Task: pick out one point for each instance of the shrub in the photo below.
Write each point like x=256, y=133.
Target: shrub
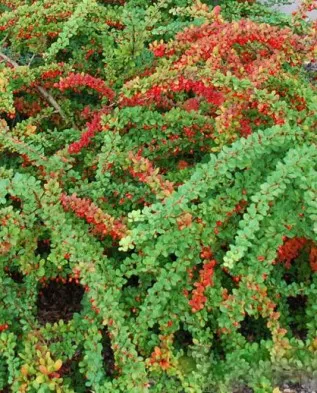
x=174, y=198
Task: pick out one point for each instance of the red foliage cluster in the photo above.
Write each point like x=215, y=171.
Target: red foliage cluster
x=30, y=108
x=92, y=127
x=240, y=50
x=75, y=80
x=103, y=223
x=210, y=93
x=221, y=55
x=161, y=355
x=155, y=94
x=58, y=16
x=290, y=250
x=75, y=277
x=116, y=24
x=205, y=280
x=4, y=327
x=158, y=357
x=161, y=50
x=313, y=259
x=50, y=74
x=143, y=170
x=9, y=24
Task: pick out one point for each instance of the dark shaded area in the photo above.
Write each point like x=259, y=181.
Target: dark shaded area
x=173, y=257
x=242, y=389
x=111, y=2
x=133, y=281
x=299, y=271
x=43, y=247
x=196, y=201
x=107, y=353
x=289, y=279
x=14, y=201
x=155, y=329
x=12, y=122
x=16, y=276
x=71, y=374
x=225, y=247
x=254, y=330
x=4, y=387
x=183, y=338
x=227, y=282
x=218, y=349
x=69, y=366
x=297, y=311
x=58, y=301
x=298, y=274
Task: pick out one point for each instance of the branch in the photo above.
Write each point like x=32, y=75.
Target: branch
x=4, y=39
x=44, y=93
x=8, y=60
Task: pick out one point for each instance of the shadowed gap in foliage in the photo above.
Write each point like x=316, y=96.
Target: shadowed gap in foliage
x=57, y=301
x=254, y=329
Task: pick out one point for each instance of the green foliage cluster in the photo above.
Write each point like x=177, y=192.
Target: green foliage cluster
x=158, y=166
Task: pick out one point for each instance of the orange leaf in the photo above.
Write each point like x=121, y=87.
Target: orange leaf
x=43, y=370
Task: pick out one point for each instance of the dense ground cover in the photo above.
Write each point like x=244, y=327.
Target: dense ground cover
x=158, y=196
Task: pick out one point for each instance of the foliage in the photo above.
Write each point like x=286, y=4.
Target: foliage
x=161, y=158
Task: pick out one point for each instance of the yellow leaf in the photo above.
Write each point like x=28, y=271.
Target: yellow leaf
x=276, y=390
x=40, y=379
x=58, y=364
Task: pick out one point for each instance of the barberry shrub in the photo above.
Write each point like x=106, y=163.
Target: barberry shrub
x=158, y=198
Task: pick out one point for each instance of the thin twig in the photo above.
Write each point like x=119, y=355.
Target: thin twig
x=32, y=58
x=4, y=39
x=51, y=100
x=44, y=93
